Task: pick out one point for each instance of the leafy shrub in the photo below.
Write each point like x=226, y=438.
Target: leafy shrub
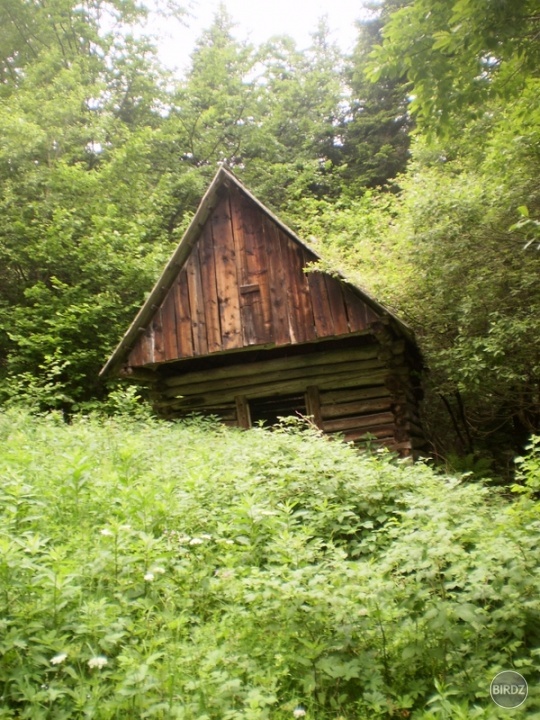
x=191, y=571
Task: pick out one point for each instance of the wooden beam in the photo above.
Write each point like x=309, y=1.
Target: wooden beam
x=242, y=412
x=380, y=432
x=361, y=407
x=282, y=387
x=141, y=375
x=313, y=404
x=247, y=368
x=363, y=421
x=355, y=367
x=353, y=394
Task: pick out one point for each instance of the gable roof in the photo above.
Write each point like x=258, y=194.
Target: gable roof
x=224, y=181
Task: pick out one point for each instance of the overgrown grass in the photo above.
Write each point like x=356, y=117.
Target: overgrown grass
x=190, y=571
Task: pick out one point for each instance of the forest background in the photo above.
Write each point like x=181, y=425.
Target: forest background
x=189, y=570
x=412, y=165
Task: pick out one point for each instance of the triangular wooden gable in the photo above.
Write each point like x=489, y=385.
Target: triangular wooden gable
x=236, y=280
x=242, y=285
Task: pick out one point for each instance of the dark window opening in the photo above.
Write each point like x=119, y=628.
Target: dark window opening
x=269, y=410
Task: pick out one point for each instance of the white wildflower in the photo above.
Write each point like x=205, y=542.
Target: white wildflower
x=196, y=541
x=159, y=570
x=57, y=659
x=183, y=539
x=205, y=536
x=149, y=577
x=98, y=662
x=299, y=712
x=107, y=532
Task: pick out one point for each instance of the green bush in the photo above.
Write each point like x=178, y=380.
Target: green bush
x=196, y=572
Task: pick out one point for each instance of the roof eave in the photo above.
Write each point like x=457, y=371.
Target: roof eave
x=165, y=280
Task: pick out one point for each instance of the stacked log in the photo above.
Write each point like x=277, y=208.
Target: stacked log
x=363, y=393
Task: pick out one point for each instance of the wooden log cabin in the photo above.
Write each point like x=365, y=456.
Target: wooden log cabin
x=235, y=327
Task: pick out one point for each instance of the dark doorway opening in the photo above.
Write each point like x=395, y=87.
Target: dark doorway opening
x=269, y=410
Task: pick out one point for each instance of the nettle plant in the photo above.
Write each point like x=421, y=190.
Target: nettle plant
x=192, y=571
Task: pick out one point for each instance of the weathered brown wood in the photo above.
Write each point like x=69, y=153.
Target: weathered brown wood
x=353, y=394
x=342, y=424
x=226, y=276
x=301, y=320
x=396, y=382
x=337, y=304
x=354, y=408
x=403, y=448
x=196, y=303
x=352, y=366
x=169, y=327
x=359, y=314
x=248, y=300
x=280, y=302
x=141, y=375
x=209, y=290
x=299, y=317
x=313, y=404
x=322, y=314
x=135, y=356
x=247, y=220
x=246, y=289
x=401, y=434
x=245, y=369
x=281, y=387
x=242, y=412
x=147, y=346
x=380, y=432
x=306, y=301
x=184, y=328
x=157, y=333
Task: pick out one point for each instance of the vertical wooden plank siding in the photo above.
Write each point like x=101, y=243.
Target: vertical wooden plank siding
x=301, y=313
x=291, y=288
x=169, y=326
x=359, y=314
x=226, y=276
x=147, y=346
x=322, y=314
x=243, y=416
x=247, y=292
x=135, y=355
x=243, y=284
x=336, y=302
x=157, y=334
x=196, y=302
x=252, y=272
x=184, y=330
x=313, y=404
x=279, y=302
x=306, y=302
x=209, y=290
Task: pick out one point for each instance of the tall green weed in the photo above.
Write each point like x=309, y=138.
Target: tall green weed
x=191, y=571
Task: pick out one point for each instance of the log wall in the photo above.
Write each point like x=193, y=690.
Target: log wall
x=351, y=392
